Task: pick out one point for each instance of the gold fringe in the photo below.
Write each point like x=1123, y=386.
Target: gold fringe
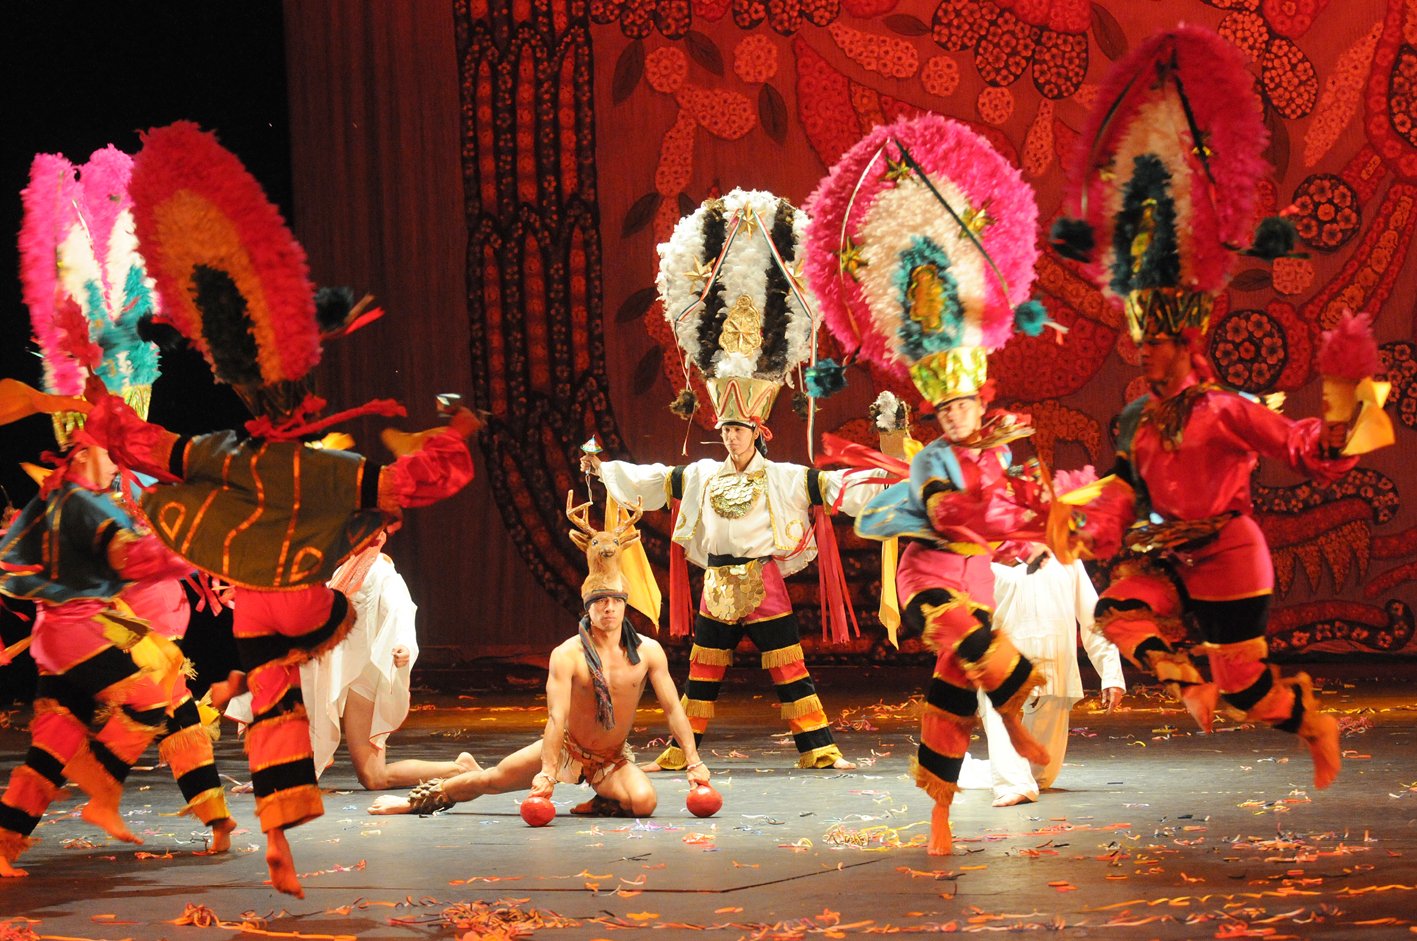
x=672, y=759
x=1014, y=704
x=823, y=757
x=929, y=637
x=941, y=791
x=698, y=708
x=12, y=844
x=711, y=656
x=806, y=706
x=208, y=806
x=783, y=656
x=92, y=778
x=303, y=654
x=290, y=807
x=47, y=706
x=186, y=749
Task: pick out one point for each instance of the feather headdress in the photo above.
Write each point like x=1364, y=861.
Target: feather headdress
x=728, y=284
x=1165, y=180
x=84, y=281
x=921, y=249
x=232, y=278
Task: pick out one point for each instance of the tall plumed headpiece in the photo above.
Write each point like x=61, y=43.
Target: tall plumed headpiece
x=85, y=282
x=921, y=251
x=1165, y=181
x=233, y=280
x=728, y=284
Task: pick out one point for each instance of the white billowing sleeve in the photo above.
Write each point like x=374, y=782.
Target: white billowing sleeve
x=389, y=609
x=1105, y=657
x=859, y=486
x=627, y=482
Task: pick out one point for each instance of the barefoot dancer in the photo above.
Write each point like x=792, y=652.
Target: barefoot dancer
x=263, y=512
x=72, y=551
x=361, y=686
x=594, y=686
x=923, y=241
x=1181, y=135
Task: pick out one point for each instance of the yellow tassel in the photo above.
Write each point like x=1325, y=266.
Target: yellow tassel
x=943, y=792
x=806, y=706
x=290, y=807
x=822, y=757
x=889, y=611
x=672, y=759
x=211, y=719
x=783, y=656
x=186, y=749
x=711, y=656
x=208, y=806
x=698, y=708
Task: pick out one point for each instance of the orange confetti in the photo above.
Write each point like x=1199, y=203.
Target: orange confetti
x=731, y=910
x=643, y=916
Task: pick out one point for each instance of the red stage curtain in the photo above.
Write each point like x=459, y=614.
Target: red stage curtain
x=559, y=142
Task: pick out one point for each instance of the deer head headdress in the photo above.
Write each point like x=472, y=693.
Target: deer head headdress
x=602, y=549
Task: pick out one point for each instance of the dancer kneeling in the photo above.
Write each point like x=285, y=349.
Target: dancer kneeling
x=595, y=683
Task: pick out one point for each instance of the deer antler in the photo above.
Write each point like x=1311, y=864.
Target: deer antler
x=634, y=517
x=580, y=516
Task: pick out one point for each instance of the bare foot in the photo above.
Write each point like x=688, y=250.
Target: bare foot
x=842, y=764
x=1322, y=739
x=390, y=804
x=466, y=762
x=942, y=841
x=1200, y=700
x=281, y=864
x=221, y=835
x=1010, y=800
x=244, y=787
x=650, y=767
x=107, y=817
x=11, y=871
x=1023, y=741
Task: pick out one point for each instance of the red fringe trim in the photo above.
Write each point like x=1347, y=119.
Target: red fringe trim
x=831, y=579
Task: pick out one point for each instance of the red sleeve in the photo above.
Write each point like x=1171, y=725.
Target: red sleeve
x=130, y=441
x=1295, y=442
x=439, y=469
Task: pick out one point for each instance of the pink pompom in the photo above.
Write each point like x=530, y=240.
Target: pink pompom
x=1349, y=351
x=1066, y=481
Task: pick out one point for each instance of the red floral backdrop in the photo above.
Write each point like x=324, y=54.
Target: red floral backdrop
x=589, y=128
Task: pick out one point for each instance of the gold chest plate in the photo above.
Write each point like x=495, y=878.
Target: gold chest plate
x=733, y=495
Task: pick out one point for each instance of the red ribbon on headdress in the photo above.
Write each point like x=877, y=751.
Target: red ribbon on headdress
x=303, y=422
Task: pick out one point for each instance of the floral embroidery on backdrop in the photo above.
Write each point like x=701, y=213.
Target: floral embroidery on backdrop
x=591, y=127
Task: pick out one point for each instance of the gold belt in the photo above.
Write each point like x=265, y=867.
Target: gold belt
x=1175, y=534
x=732, y=592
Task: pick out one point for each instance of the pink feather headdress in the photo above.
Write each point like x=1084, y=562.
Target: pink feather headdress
x=1165, y=180
x=921, y=250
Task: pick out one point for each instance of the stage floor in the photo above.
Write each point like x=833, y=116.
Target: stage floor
x=1154, y=832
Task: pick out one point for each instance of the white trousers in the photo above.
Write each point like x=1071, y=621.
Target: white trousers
x=1007, y=772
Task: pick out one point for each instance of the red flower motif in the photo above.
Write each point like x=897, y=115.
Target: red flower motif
x=1010, y=36
x=1326, y=212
